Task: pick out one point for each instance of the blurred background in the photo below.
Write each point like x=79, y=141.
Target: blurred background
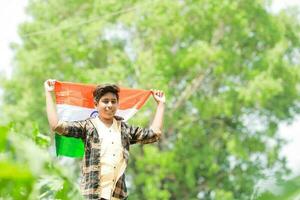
x=230, y=70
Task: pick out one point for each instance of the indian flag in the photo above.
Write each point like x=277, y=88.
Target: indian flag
x=75, y=102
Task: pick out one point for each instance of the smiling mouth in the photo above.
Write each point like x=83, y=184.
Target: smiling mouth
x=109, y=111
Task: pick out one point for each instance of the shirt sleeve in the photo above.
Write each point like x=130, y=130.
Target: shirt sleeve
x=143, y=135
x=76, y=129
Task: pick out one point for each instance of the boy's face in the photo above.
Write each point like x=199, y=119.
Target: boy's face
x=107, y=105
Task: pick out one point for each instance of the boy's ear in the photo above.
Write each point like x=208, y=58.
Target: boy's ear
x=96, y=103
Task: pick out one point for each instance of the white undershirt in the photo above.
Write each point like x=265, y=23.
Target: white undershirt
x=112, y=162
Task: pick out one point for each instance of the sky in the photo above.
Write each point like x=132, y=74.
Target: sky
x=12, y=13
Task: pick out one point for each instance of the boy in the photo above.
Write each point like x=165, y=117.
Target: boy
x=106, y=140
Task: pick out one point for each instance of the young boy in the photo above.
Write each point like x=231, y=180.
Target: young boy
x=106, y=140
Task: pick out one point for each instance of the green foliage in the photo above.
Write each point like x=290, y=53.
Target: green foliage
x=29, y=172
x=230, y=70
x=285, y=189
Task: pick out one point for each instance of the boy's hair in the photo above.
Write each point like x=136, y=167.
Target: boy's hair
x=101, y=90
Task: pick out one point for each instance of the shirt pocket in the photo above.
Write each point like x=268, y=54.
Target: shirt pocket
x=97, y=146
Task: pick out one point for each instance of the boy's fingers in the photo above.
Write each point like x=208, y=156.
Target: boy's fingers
x=158, y=93
x=52, y=81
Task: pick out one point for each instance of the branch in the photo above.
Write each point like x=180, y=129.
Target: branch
x=189, y=90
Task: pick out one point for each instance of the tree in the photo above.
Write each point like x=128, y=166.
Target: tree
x=288, y=189
x=229, y=69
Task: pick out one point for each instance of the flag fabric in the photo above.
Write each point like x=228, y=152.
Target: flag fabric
x=74, y=101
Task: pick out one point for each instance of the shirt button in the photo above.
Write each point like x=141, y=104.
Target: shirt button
x=114, y=154
x=114, y=167
x=112, y=142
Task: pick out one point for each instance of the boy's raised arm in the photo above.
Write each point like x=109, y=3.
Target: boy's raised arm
x=50, y=104
x=160, y=98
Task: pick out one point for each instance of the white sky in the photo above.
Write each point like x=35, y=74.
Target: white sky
x=12, y=13
x=279, y=4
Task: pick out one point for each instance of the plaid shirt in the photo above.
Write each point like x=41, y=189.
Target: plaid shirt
x=85, y=129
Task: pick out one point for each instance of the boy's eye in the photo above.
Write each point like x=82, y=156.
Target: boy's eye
x=107, y=101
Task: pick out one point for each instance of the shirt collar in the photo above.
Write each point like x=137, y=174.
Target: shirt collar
x=114, y=125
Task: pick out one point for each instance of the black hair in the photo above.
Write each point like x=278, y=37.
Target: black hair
x=103, y=89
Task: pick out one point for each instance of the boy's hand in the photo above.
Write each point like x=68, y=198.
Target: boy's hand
x=158, y=96
x=49, y=85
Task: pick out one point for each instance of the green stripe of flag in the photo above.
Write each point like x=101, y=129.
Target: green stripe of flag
x=68, y=146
